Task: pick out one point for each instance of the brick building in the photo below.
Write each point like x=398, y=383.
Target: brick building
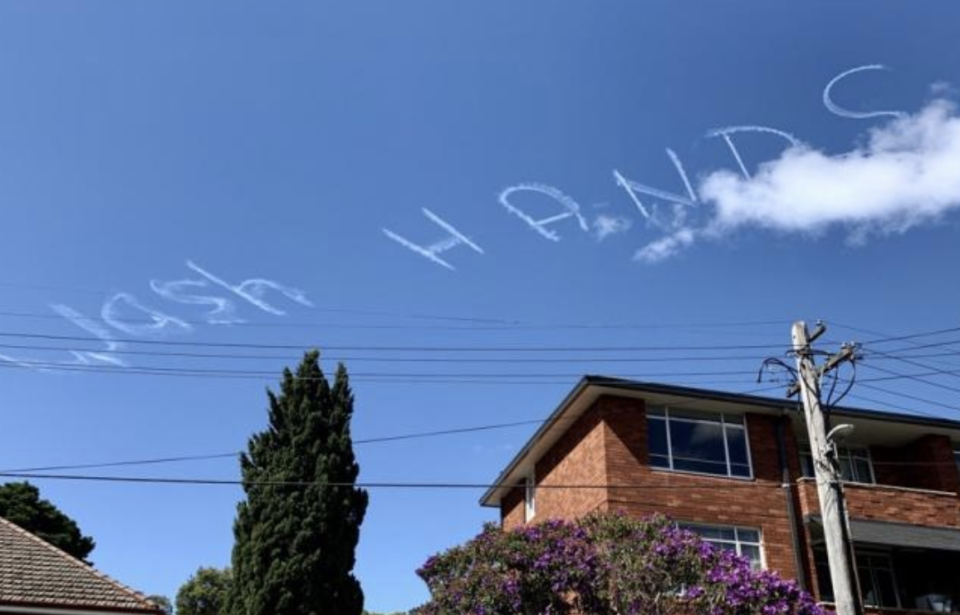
x=736, y=468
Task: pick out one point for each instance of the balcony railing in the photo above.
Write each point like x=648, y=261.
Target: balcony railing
x=889, y=503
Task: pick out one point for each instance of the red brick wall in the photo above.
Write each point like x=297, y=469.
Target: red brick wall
x=564, y=474
x=511, y=508
x=886, y=503
x=760, y=503
x=608, y=446
x=925, y=463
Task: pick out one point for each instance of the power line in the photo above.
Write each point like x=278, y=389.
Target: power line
x=158, y=370
x=491, y=324
x=81, y=338
x=235, y=454
x=908, y=396
x=372, y=484
x=894, y=406
x=911, y=336
x=913, y=378
x=484, y=359
x=409, y=436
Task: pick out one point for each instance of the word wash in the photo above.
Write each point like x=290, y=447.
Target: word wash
x=125, y=313
x=678, y=203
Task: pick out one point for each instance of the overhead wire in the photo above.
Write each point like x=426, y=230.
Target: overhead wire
x=490, y=323
x=382, y=439
x=160, y=370
x=397, y=348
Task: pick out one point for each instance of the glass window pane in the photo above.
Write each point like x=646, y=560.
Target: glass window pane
x=869, y=592
x=806, y=464
x=846, y=469
x=748, y=536
x=740, y=470
x=657, y=436
x=752, y=553
x=695, y=415
x=885, y=590
x=737, y=444
x=823, y=576
x=733, y=419
x=713, y=533
x=861, y=471
x=698, y=447
x=660, y=461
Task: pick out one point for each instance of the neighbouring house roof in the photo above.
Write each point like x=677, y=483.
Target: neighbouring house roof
x=879, y=426
x=36, y=576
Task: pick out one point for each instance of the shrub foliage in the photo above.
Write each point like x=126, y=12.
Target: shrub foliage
x=605, y=564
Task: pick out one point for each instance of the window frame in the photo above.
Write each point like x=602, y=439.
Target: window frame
x=666, y=418
x=737, y=541
x=529, y=497
x=843, y=452
x=864, y=559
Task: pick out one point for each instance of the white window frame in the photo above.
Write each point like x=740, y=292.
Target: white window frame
x=848, y=452
x=529, y=497
x=736, y=542
x=666, y=418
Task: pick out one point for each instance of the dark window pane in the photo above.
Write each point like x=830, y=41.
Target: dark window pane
x=657, y=436
x=749, y=535
x=698, y=415
x=846, y=469
x=740, y=470
x=737, y=444
x=885, y=589
x=870, y=597
x=861, y=471
x=660, y=461
x=698, y=447
x=696, y=465
x=733, y=419
x=823, y=576
x=806, y=465
x=655, y=412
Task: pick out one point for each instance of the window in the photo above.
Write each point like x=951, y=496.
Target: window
x=855, y=464
x=529, y=497
x=741, y=540
x=875, y=573
x=691, y=441
x=956, y=455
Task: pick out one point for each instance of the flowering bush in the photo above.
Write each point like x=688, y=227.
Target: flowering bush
x=605, y=564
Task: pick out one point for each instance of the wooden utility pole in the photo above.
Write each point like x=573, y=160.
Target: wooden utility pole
x=846, y=593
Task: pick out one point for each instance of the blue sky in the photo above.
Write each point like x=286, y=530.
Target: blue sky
x=277, y=141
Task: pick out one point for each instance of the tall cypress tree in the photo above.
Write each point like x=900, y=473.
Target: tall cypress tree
x=296, y=533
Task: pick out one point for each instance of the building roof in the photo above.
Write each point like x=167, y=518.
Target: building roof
x=889, y=427
x=35, y=574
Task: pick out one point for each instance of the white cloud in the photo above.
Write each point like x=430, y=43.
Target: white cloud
x=906, y=173
x=605, y=226
x=665, y=247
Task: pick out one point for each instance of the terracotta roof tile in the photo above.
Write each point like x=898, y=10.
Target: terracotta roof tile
x=35, y=573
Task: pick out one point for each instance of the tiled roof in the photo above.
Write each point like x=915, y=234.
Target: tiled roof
x=35, y=573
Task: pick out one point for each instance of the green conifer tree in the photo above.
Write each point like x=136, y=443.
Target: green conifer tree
x=296, y=533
